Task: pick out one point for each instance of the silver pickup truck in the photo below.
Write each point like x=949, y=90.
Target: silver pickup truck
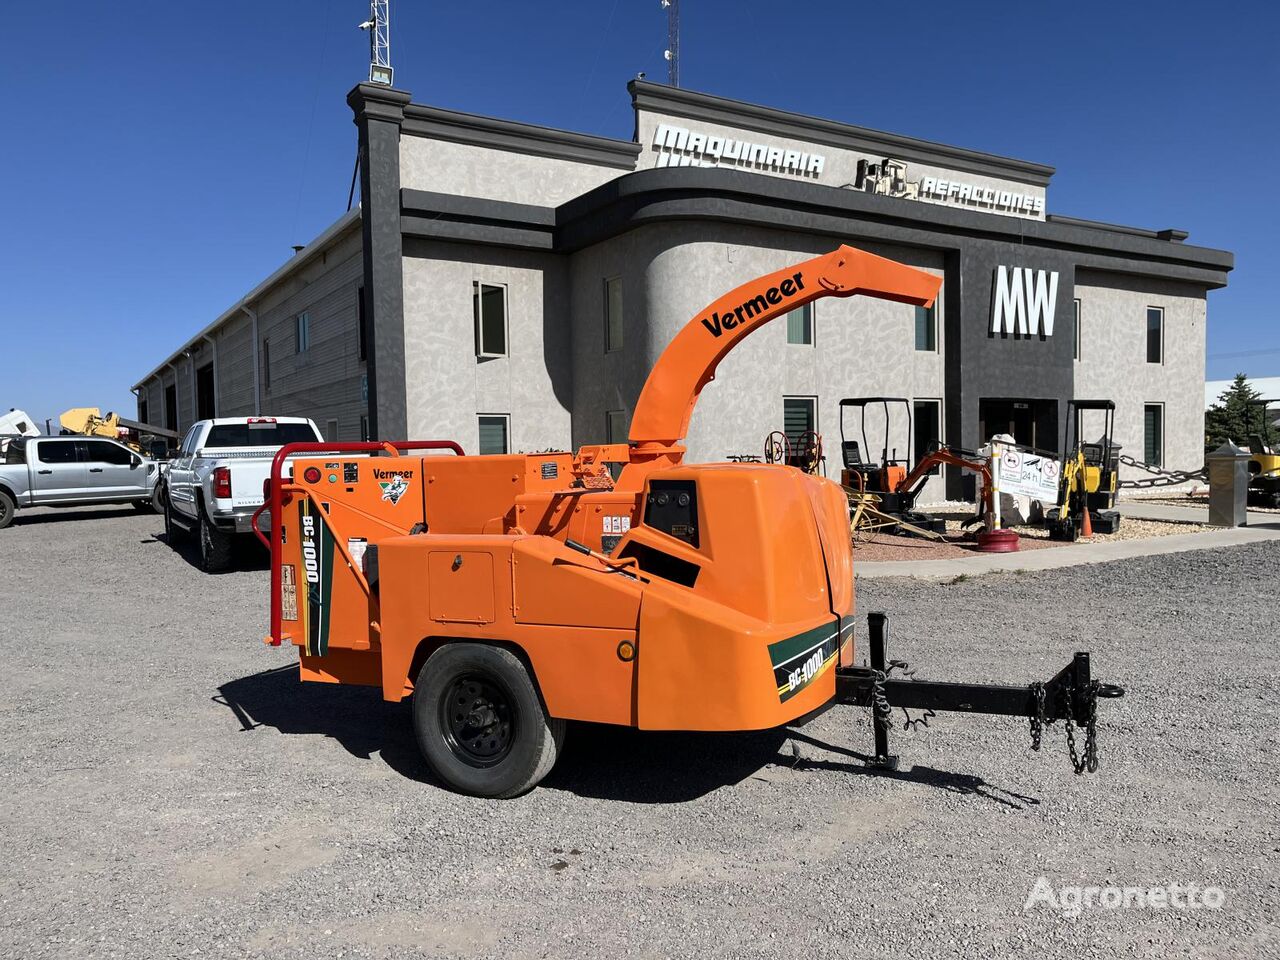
x=72, y=471
x=214, y=482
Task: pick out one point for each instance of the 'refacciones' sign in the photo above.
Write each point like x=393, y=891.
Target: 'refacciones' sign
x=683, y=147
x=1025, y=474
x=888, y=178
x=1024, y=301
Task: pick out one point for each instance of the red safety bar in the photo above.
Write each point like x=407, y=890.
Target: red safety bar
x=276, y=500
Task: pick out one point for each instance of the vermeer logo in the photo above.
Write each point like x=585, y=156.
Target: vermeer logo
x=394, y=483
x=755, y=307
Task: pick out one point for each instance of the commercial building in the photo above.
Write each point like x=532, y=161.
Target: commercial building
x=510, y=286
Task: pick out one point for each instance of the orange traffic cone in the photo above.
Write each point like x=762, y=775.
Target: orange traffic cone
x=1086, y=526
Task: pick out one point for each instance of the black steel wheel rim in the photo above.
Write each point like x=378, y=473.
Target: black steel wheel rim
x=478, y=717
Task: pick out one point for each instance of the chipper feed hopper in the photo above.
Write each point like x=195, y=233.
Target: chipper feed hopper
x=508, y=595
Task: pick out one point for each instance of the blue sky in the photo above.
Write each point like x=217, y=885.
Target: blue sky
x=159, y=161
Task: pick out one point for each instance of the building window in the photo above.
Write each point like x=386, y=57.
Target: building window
x=495, y=432
x=1076, y=331
x=362, y=334
x=364, y=428
x=302, y=333
x=927, y=328
x=926, y=416
x=489, y=303
x=615, y=426
x=331, y=431
x=144, y=413
x=800, y=325
x=799, y=416
x=1155, y=335
x=1153, y=434
x=171, y=407
x=612, y=314
x=266, y=366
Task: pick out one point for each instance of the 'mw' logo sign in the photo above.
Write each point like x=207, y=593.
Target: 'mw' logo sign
x=1024, y=301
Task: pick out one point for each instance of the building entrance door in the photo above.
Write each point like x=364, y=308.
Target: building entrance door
x=1033, y=423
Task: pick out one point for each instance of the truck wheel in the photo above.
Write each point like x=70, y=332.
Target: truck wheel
x=480, y=722
x=156, y=504
x=174, y=533
x=7, y=509
x=215, y=547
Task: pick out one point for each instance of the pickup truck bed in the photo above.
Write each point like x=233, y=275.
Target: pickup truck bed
x=215, y=480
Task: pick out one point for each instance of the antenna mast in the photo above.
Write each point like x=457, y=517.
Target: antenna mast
x=379, y=27
x=673, y=41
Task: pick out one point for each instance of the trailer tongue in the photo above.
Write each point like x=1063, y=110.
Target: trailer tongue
x=510, y=594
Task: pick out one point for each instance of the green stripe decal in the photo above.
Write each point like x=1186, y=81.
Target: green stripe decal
x=798, y=661
x=317, y=565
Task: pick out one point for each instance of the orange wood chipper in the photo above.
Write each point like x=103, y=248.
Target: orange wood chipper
x=509, y=594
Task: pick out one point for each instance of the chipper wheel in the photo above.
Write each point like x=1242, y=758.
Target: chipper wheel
x=480, y=722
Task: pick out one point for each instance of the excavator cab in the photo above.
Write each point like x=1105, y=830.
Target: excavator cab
x=1090, y=474
x=883, y=476
x=892, y=479
x=1264, y=462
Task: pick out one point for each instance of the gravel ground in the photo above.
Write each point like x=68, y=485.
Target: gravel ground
x=174, y=791
x=881, y=545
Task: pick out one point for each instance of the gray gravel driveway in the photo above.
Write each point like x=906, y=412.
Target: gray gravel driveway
x=171, y=790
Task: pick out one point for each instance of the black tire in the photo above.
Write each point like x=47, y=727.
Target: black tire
x=215, y=547
x=174, y=532
x=7, y=509
x=504, y=743
x=155, y=505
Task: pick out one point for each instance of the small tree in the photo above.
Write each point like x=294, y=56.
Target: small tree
x=1235, y=418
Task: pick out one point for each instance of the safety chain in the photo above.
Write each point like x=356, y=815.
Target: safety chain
x=1162, y=478
x=1037, y=718
x=1089, y=760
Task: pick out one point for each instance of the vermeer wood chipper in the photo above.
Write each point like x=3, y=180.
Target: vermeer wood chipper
x=510, y=594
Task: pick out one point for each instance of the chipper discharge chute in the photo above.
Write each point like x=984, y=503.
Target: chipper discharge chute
x=510, y=594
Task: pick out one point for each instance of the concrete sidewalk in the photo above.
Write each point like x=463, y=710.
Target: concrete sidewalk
x=1100, y=551
x=1192, y=513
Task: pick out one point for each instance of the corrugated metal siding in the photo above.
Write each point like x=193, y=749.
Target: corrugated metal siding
x=324, y=382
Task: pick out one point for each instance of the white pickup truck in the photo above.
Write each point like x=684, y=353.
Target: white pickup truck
x=72, y=471
x=214, y=482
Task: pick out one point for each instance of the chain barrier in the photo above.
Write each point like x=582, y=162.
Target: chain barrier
x=1161, y=478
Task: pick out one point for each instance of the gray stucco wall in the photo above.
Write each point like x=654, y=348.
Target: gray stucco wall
x=447, y=386
x=671, y=271
x=472, y=171
x=1113, y=361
